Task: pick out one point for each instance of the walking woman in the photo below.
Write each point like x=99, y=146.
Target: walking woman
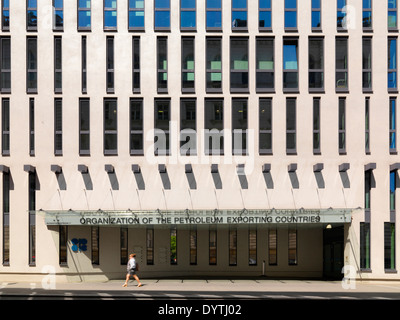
x=131, y=268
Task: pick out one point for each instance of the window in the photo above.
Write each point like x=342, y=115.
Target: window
x=188, y=14
x=162, y=18
x=136, y=14
x=392, y=125
x=58, y=23
x=272, y=247
x=110, y=64
x=341, y=15
x=392, y=64
x=5, y=126
x=232, y=246
x=214, y=15
x=188, y=75
x=162, y=117
x=95, y=244
x=341, y=64
x=84, y=126
x=32, y=217
x=239, y=126
x=57, y=64
x=188, y=137
x=264, y=15
x=292, y=239
x=316, y=15
x=150, y=245
x=252, y=247
x=367, y=64
x=162, y=65
x=392, y=15
x=63, y=245
x=390, y=246
x=110, y=14
x=365, y=245
x=110, y=127
x=239, y=65
x=214, y=64
x=214, y=127
x=316, y=64
x=136, y=65
x=393, y=185
x=239, y=14
x=136, y=127
x=5, y=15
x=265, y=79
x=367, y=15
x=173, y=246
x=212, y=245
x=193, y=244
x=31, y=15
x=290, y=65
x=84, y=15
x=367, y=189
x=84, y=65
x=367, y=125
x=342, y=125
x=5, y=67
x=290, y=15
x=265, y=125
x=124, y=245
x=6, y=218
x=31, y=68
x=316, y=125
x=31, y=126
x=58, y=127
x=291, y=126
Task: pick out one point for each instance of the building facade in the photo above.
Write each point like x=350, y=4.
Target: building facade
x=211, y=138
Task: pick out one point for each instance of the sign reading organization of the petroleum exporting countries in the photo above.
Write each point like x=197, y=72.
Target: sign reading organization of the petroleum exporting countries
x=159, y=217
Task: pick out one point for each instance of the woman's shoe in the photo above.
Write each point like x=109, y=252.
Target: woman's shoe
x=139, y=285
x=124, y=285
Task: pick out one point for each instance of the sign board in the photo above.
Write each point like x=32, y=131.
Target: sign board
x=168, y=217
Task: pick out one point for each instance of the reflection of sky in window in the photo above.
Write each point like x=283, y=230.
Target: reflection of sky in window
x=290, y=19
x=136, y=19
x=161, y=4
x=392, y=54
x=84, y=18
x=162, y=19
x=316, y=4
x=265, y=19
x=265, y=4
x=32, y=3
x=188, y=19
x=290, y=56
x=188, y=4
x=138, y=4
x=341, y=3
x=239, y=4
x=110, y=18
x=290, y=4
x=213, y=19
x=213, y=4
x=316, y=19
x=392, y=4
x=392, y=181
x=84, y=3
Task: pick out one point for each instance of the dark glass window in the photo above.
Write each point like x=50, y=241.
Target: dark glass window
x=291, y=126
x=342, y=125
x=239, y=65
x=162, y=118
x=31, y=77
x=290, y=64
x=136, y=64
x=367, y=64
x=5, y=64
x=84, y=126
x=316, y=125
x=365, y=245
x=214, y=126
x=341, y=64
x=188, y=137
x=316, y=63
x=214, y=64
x=5, y=15
x=57, y=64
x=392, y=125
x=265, y=75
x=5, y=127
x=162, y=64
x=265, y=125
x=58, y=127
x=390, y=245
x=239, y=126
x=110, y=64
x=188, y=75
x=110, y=127
x=136, y=126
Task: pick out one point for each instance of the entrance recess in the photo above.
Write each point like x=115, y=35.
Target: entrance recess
x=333, y=252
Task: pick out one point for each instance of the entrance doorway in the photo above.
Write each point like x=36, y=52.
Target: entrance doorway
x=333, y=252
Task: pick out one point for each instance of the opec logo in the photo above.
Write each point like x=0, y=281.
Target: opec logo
x=79, y=245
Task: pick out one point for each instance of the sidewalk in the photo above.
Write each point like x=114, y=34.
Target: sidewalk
x=212, y=285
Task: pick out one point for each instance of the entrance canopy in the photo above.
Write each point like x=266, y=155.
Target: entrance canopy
x=166, y=217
